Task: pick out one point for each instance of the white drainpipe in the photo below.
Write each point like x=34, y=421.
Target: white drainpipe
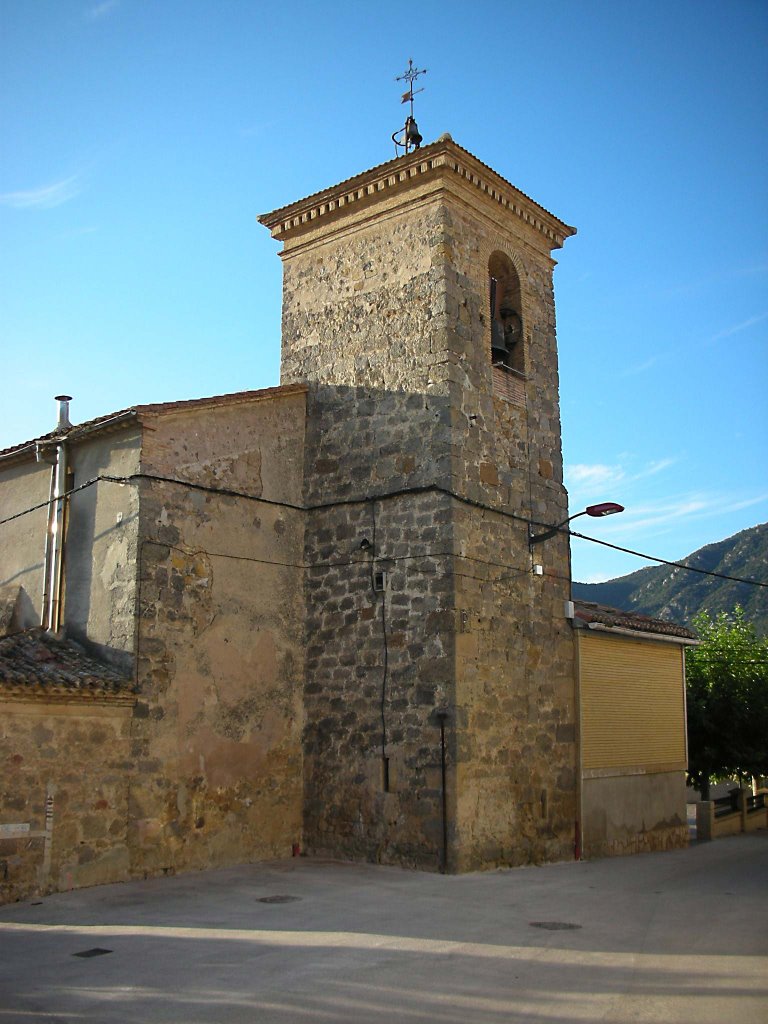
x=54, y=541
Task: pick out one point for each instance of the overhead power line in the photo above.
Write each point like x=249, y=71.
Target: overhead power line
x=401, y=492
x=664, y=561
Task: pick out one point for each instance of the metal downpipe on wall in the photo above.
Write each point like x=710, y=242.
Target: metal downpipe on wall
x=54, y=541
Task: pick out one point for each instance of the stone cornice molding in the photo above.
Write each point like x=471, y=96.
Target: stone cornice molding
x=442, y=159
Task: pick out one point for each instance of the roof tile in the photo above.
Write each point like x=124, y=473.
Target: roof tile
x=588, y=611
x=34, y=663
x=152, y=409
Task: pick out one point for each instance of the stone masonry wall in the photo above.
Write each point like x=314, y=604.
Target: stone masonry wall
x=379, y=662
x=79, y=757
x=367, y=309
x=216, y=737
x=366, y=319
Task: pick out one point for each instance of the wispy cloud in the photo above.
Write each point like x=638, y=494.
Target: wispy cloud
x=655, y=517
x=651, y=517
x=595, y=577
x=631, y=371
x=654, y=467
x=737, y=328
x=586, y=477
x=46, y=197
x=102, y=9
x=715, y=278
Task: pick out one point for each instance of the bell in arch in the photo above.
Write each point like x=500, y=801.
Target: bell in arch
x=499, y=349
x=512, y=325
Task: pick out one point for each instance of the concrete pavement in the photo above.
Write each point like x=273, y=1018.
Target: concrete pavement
x=679, y=938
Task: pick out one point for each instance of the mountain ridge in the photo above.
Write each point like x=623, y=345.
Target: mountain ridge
x=669, y=592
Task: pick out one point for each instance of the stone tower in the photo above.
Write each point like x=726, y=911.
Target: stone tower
x=439, y=681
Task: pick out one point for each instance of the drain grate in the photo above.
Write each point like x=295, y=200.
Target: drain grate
x=279, y=899
x=554, y=926
x=96, y=951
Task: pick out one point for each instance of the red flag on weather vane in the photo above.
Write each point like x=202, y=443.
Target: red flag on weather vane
x=406, y=96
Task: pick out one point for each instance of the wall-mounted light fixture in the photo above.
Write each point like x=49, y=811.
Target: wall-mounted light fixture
x=605, y=508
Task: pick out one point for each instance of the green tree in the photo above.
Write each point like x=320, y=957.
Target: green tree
x=727, y=688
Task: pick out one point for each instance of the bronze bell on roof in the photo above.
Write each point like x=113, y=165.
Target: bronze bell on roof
x=412, y=135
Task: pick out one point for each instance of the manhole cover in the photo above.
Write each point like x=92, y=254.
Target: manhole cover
x=279, y=899
x=554, y=926
x=93, y=952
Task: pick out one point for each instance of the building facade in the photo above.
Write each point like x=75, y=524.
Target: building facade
x=323, y=595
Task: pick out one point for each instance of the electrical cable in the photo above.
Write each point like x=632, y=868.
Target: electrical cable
x=50, y=501
x=401, y=492
x=664, y=561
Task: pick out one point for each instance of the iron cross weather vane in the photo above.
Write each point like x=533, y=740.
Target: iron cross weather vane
x=408, y=137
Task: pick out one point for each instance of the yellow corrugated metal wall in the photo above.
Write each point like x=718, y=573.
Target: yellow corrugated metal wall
x=632, y=703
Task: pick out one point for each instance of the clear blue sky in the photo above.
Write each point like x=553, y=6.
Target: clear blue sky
x=140, y=141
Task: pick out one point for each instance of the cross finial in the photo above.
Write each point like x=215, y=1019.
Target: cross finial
x=410, y=75
x=411, y=139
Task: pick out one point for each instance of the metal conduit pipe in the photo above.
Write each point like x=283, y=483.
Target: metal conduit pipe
x=43, y=456
x=54, y=540
x=57, y=536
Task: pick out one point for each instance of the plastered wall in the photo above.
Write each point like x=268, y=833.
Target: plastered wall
x=216, y=738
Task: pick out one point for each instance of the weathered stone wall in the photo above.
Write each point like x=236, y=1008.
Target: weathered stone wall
x=515, y=688
x=379, y=662
x=366, y=319
x=515, y=703
x=78, y=755
x=216, y=739
x=628, y=813
x=367, y=308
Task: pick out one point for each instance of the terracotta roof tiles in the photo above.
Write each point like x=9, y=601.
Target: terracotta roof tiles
x=35, y=664
x=588, y=611
x=415, y=155
x=114, y=419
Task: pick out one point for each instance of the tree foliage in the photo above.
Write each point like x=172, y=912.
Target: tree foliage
x=727, y=688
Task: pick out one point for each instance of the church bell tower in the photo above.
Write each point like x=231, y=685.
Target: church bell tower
x=440, y=680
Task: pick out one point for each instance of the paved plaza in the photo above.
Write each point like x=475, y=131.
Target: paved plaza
x=673, y=937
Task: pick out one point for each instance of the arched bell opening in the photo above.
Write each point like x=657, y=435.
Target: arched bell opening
x=506, y=314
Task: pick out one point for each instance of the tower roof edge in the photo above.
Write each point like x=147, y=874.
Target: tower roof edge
x=443, y=157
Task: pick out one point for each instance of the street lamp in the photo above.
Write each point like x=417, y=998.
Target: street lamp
x=604, y=508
